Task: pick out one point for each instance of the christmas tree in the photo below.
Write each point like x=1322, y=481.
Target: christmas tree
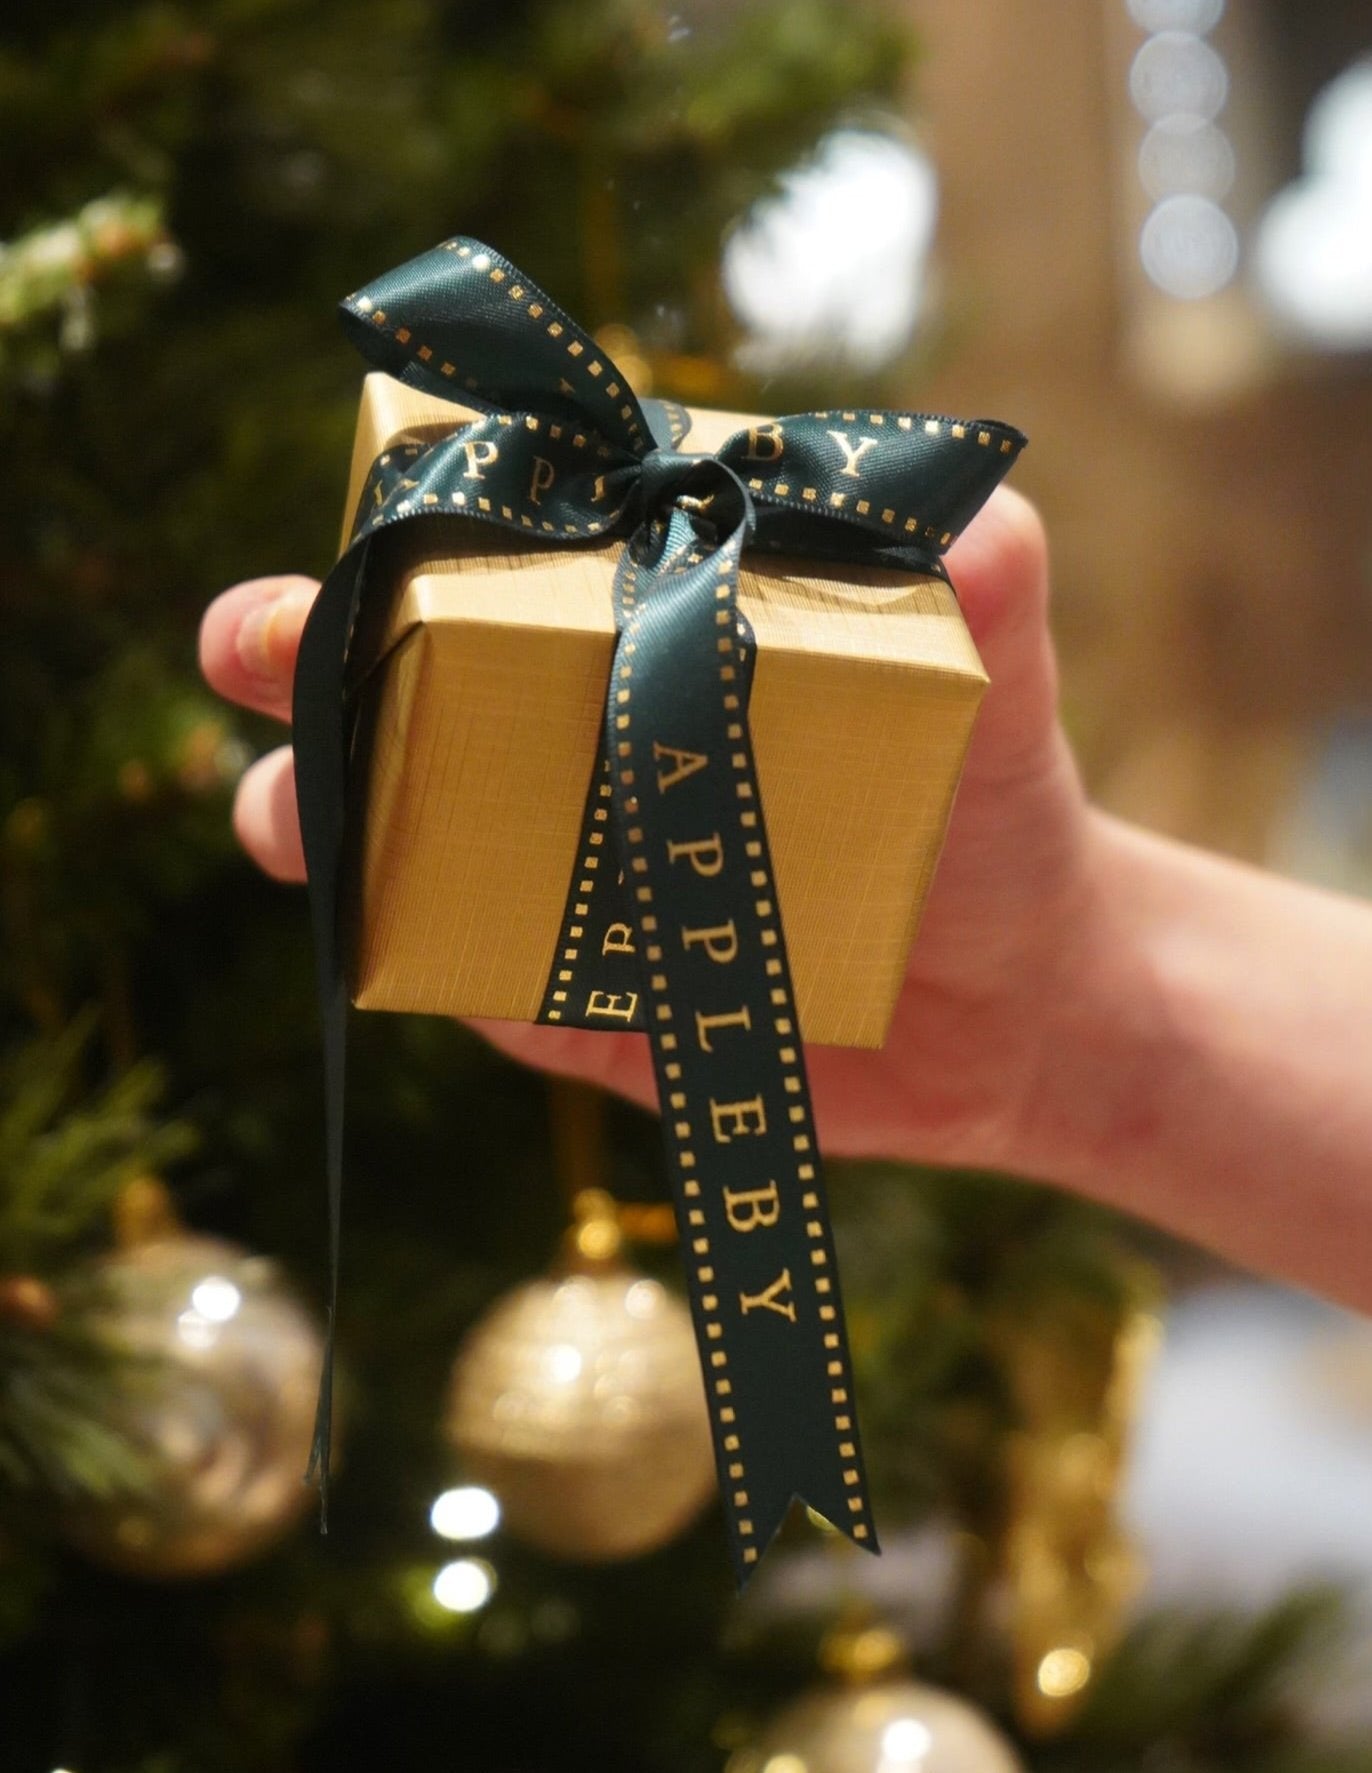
x=191, y=191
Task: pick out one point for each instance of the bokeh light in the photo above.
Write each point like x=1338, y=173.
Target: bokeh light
x=468, y=1512
x=906, y=1741
x=1199, y=16
x=216, y=1298
x=1177, y=74
x=1189, y=247
x=1186, y=156
x=833, y=268
x=1314, y=245
x=464, y=1586
x=1063, y=1672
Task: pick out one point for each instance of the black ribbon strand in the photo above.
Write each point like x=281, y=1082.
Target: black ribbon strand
x=672, y=921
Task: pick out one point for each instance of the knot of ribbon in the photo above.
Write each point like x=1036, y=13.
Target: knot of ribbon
x=680, y=932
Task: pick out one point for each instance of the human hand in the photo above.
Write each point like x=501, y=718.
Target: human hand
x=969, y=1039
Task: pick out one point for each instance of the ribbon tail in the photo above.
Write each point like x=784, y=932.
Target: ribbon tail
x=771, y=1507
x=321, y=758
x=727, y=1047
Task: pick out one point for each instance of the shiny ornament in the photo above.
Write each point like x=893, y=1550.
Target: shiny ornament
x=215, y=1389
x=578, y=1401
x=1073, y=1572
x=897, y=1726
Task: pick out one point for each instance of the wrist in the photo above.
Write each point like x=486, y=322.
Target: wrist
x=1109, y=1032
x=1204, y=1066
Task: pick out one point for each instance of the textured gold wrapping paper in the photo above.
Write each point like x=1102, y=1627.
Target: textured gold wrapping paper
x=483, y=681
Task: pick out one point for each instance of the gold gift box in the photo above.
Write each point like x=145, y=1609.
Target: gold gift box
x=483, y=679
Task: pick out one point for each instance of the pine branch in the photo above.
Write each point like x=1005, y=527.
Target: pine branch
x=1215, y=1691
x=58, y=1435
x=64, y=1164
x=48, y=275
x=63, y=1383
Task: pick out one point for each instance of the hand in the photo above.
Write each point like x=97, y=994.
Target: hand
x=960, y=1070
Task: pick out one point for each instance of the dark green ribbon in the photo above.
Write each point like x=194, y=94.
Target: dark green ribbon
x=674, y=856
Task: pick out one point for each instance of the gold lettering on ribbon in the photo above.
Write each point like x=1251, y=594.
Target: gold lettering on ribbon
x=769, y=1299
x=763, y=1207
x=619, y=939
x=851, y=455
x=732, y=1019
x=479, y=455
x=736, y=1120
x=758, y=435
x=684, y=763
x=705, y=854
x=542, y=478
x=720, y=941
x=598, y=495
x=616, y=1006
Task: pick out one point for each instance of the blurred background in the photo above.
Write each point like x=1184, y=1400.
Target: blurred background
x=1123, y=1494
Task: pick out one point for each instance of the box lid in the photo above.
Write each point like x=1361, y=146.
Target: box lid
x=860, y=612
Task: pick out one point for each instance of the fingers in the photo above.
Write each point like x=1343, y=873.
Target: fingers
x=249, y=639
x=266, y=817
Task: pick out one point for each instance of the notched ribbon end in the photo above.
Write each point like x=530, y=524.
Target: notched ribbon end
x=748, y=1552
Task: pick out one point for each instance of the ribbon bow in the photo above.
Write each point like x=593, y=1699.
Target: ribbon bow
x=566, y=454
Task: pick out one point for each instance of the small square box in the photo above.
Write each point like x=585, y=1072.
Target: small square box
x=482, y=680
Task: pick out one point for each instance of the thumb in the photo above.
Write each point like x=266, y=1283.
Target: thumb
x=999, y=568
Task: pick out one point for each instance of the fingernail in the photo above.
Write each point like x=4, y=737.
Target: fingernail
x=270, y=634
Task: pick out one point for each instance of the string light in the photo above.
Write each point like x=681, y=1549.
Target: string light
x=469, y=1512
x=1188, y=245
x=1314, y=246
x=905, y=1741
x=464, y=1586
x=1176, y=15
x=1063, y=1672
x=216, y=1298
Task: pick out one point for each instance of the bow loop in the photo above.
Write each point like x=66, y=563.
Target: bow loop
x=909, y=482
x=523, y=470
x=463, y=323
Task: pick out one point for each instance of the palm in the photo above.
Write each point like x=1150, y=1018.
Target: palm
x=959, y=1052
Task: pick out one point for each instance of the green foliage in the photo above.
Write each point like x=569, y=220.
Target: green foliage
x=65, y=1153
x=948, y=1276
x=1210, y=1693
x=48, y=275
x=190, y=189
x=56, y=1443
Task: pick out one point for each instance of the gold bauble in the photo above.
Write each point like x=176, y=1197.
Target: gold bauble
x=895, y=1726
x=213, y=1390
x=578, y=1400
x=1073, y=1572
